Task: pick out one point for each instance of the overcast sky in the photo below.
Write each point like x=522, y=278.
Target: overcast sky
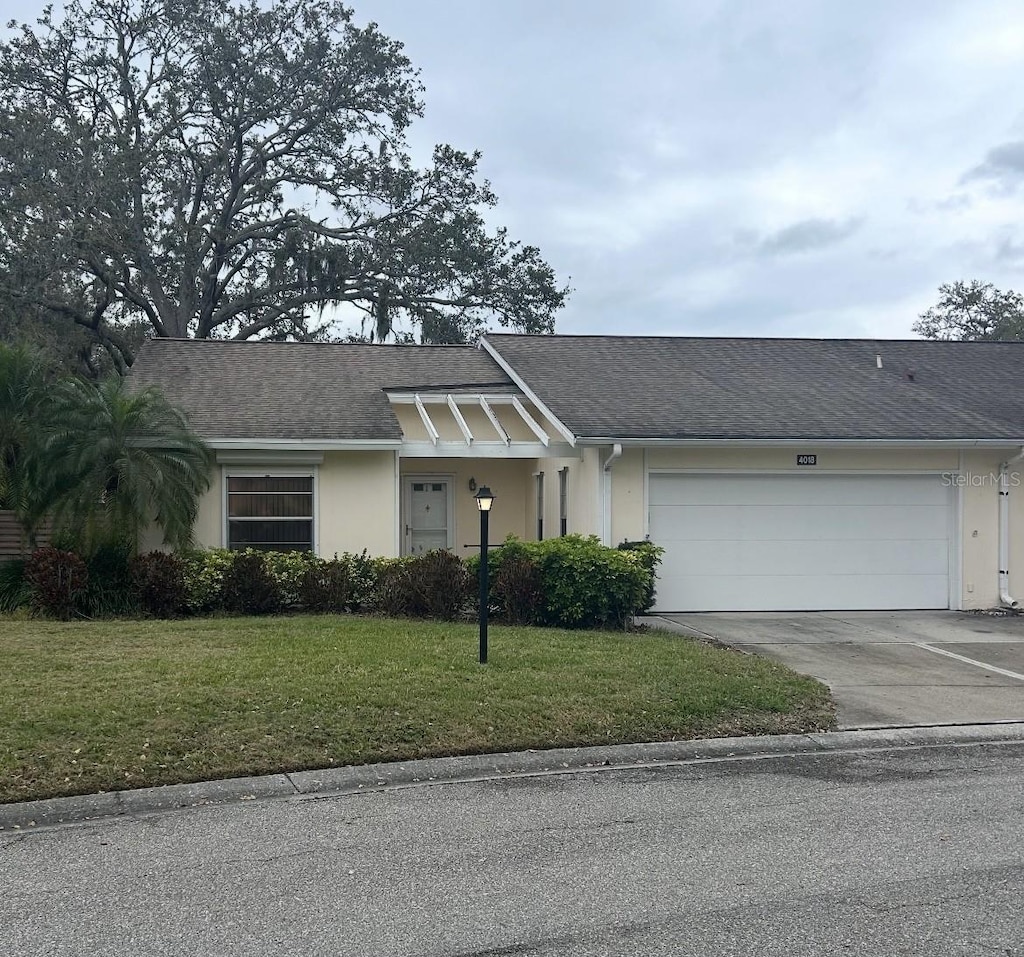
x=720, y=168
x=735, y=168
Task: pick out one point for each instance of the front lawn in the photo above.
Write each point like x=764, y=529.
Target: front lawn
x=91, y=706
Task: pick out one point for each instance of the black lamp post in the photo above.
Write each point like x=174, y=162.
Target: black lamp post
x=484, y=500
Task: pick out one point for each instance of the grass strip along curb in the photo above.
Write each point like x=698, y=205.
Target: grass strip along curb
x=377, y=777
x=89, y=707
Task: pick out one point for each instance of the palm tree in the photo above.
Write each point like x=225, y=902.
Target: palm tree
x=122, y=460
x=26, y=409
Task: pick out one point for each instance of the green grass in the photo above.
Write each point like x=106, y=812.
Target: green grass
x=91, y=706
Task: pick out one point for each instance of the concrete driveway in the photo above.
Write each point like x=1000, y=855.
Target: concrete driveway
x=887, y=668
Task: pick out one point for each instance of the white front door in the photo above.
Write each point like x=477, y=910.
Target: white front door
x=428, y=520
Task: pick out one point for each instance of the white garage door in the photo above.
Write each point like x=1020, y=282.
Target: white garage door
x=801, y=542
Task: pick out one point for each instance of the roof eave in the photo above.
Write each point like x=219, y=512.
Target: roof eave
x=785, y=442
x=305, y=445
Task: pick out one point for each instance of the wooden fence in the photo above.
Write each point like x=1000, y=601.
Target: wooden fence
x=13, y=543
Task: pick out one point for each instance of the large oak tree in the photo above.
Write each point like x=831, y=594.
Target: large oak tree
x=232, y=169
x=973, y=310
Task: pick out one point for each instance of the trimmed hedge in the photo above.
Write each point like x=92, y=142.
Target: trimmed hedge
x=568, y=582
x=572, y=582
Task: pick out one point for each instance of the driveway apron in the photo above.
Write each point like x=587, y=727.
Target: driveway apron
x=887, y=668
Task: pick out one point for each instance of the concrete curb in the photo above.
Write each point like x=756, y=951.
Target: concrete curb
x=31, y=815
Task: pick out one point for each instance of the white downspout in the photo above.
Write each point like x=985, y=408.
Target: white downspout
x=1004, y=531
x=606, y=497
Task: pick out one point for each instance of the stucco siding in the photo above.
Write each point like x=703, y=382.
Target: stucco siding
x=353, y=502
x=979, y=493
x=207, y=530
x=581, y=493
x=585, y=506
x=627, y=478
x=357, y=503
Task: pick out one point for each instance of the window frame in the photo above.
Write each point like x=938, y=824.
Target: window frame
x=311, y=472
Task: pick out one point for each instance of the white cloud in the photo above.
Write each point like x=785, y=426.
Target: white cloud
x=649, y=151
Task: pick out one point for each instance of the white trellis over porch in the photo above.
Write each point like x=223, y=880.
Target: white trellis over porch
x=477, y=425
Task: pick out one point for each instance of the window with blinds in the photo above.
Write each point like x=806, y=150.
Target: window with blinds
x=270, y=512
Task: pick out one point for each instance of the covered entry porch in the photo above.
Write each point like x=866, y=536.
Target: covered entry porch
x=454, y=443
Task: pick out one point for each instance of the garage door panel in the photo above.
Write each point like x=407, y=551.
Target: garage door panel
x=928, y=557
x=801, y=489
x=808, y=523
x=831, y=593
x=790, y=542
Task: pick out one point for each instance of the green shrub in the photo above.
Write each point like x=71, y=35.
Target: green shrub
x=649, y=555
x=15, y=592
x=326, y=585
x=110, y=591
x=584, y=584
x=589, y=585
x=287, y=568
x=249, y=587
x=58, y=581
x=159, y=581
x=393, y=594
x=204, y=571
x=516, y=590
x=363, y=574
x=439, y=585
x=569, y=582
x=207, y=570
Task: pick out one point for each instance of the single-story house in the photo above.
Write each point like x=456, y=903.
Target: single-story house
x=778, y=474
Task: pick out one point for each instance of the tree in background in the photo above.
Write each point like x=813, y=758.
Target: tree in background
x=66, y=345
x=973, y=310
x=233, y=170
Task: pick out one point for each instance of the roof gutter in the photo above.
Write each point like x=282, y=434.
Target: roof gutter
x=1004, y=530
x=796, y=442
x=615, y=453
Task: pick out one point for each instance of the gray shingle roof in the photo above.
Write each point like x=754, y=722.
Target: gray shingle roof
x=631, y=387
x=300, y=390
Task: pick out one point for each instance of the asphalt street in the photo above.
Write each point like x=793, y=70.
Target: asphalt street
x=916, y=851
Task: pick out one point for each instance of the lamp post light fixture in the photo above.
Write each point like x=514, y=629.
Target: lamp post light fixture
x=484, y=500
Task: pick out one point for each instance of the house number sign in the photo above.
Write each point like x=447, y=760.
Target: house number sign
x=807, y=460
